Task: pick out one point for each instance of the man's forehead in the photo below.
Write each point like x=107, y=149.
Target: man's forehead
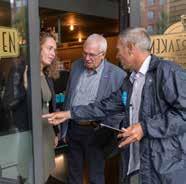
x=121, y=42
x=91, y=46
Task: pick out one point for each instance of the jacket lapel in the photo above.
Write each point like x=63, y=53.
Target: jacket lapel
x=103, y=81
x=74, y=82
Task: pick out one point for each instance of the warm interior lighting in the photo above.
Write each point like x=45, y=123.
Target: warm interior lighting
x=80, y=36
x=71, y=27
x=59, y=159
x=79, y=39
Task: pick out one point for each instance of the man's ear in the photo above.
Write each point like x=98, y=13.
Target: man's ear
x=103, y=55
x=130, y=47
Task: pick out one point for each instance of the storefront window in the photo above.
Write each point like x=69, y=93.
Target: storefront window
x=162, y=2
x=150, y=15
x=150, y=2
x=162, y=14
x=16, y=163
x=150, y=29
x=165, y=20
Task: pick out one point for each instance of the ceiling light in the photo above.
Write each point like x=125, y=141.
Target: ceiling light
x=79, y=39
x=71, y=27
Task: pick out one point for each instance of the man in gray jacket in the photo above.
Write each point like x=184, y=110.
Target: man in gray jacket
x=92, y=78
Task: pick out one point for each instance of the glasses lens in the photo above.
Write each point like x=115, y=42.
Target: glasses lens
x=91, y=55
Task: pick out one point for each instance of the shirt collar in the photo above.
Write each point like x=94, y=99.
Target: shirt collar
x=100, y=67
x=143, y=69
x=145, y=66
x=97, y=70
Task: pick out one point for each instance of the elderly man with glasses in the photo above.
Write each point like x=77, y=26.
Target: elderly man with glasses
x=92, y=78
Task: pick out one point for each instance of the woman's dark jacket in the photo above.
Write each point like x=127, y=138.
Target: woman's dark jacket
x=163, y=119
x=16, y=102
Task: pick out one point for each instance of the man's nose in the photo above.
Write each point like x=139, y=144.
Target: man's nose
x=53, y=53
x=87, y=56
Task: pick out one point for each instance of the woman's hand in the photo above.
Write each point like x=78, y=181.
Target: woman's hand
x=56, y=118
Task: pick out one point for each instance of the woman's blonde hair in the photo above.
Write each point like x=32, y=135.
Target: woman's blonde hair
x=50, y=70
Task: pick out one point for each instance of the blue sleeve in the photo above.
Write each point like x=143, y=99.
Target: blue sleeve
x=99, y=110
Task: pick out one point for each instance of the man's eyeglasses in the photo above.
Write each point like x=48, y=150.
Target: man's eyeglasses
x=91, y=55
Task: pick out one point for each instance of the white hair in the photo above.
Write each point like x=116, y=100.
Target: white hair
x=137, y=36
x=99, y=39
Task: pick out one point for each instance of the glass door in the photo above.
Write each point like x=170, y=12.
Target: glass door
x=165, y=20
x=16, y=155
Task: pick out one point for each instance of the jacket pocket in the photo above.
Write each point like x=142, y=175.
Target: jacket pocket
x=182, y=142
x=166, y=155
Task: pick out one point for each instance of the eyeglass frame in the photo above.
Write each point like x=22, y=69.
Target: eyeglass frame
x=91, y=55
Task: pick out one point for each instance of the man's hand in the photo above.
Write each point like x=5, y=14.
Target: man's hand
x=56, y=118
x=131, y=134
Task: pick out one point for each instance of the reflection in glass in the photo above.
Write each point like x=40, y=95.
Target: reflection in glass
x=162, y=2
x=15, y=129
x=150, y=29
x=160, y=14
x=150, y=2
x=150, y=15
